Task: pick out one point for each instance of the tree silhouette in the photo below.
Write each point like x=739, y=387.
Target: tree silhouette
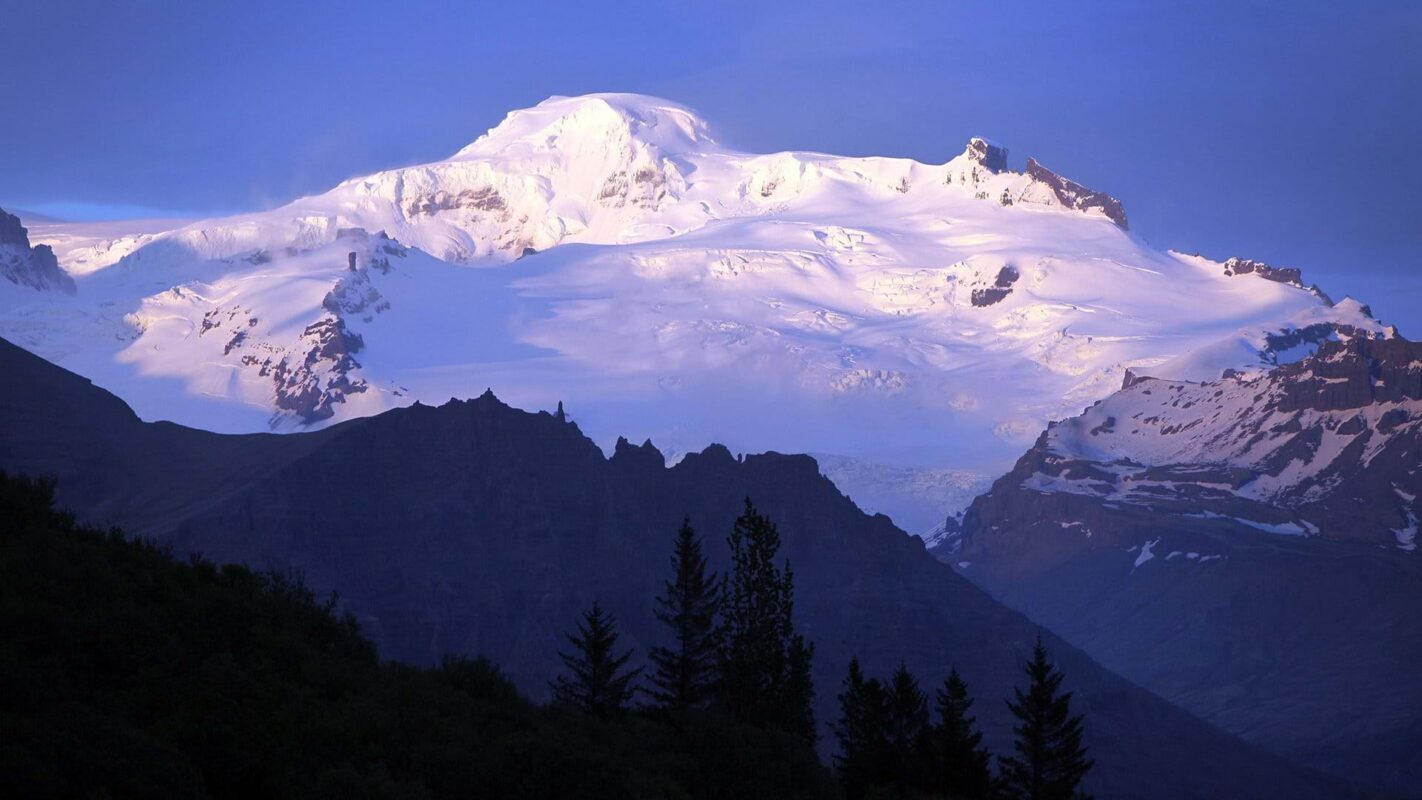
x=907, y=730
x=1050, y=760
x=686, y=672
x=862, y=732
x=799, y=696
x=764, y=663
x=958, y=765
x=597, y=681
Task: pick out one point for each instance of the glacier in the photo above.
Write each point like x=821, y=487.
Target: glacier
x=919, y=324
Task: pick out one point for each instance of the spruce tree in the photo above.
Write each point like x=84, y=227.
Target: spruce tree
x=862, y=731
x=1050, y=760
x=799, y=696
x=907, y=730
x=764, y=664
x=958, y=764
x=597, y=680
x=686, y=672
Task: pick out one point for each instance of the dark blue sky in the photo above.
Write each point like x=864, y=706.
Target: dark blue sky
x=1285, y=131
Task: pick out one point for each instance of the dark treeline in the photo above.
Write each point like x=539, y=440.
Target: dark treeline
x=125, y=673
x=734, y=649
x=733, y=646
x=892, y=746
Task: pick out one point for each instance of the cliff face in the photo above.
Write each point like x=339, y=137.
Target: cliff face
x=1244, y=547
x=1073, y=195
x=34, y=267
x=477, y=528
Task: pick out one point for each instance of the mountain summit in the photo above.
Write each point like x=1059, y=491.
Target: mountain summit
x=596, y=121
x=609, y=252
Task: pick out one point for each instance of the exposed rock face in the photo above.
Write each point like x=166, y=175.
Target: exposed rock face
x=312, y=377
x=1246, y=266
x=1073, y=195
x=645, y=187
x=991, y=156
x=982, y=169
x=1290, y=275
x=980, y=162
x=485, y=198
x=35, y=267
x=476, y=528
x=1271, y=516
x=1355, y=374
x=354, y=295
x=1295, y=447
x=311, y=387
x=1001, y=288
x=313, y=373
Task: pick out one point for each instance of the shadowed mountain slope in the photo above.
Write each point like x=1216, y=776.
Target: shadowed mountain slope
x=476, y=528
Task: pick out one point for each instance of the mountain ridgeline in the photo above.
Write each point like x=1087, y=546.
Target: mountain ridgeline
x=1244, y=547
x=476, y=529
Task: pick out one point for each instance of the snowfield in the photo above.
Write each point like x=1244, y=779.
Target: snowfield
x=608, y=252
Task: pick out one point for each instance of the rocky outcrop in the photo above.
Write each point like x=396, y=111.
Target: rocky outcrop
x=314, y=372
x=312, y=383
x=355, y=296
x=35, y=267
x=1288, y=275
x=992, y=157
x=982, y=169
x=485, y=198
x=644, y=186
x=1073, y=195
x=1355, y=374
x=979, y=162
x=476, y=528
x=1247, y=266
x=1000, y=289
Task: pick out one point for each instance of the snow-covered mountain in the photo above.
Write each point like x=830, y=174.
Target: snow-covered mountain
x=1329, y=447
x=1325, y=446
x=1244, y=547
x=609, y=252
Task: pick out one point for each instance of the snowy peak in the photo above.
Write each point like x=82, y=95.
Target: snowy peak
x=576, y=124
x=992, y=157
x=606, y=251
x=982, y=168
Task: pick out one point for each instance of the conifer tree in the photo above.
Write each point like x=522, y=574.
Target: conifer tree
x=688, y=605
x=800, y=690
x=1050, y=760
x=862, y=733
x=764, y=664
x=958, y=765
x=907, y=730
x=597, y=680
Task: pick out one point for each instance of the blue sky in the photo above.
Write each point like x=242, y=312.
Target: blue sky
x=1284, y=131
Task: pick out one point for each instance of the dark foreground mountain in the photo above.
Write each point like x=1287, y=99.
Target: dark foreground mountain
x=126, y=674
x=1243, y=547
x=478, y=529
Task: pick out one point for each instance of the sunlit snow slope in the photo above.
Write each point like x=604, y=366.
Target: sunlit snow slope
x=608, y=252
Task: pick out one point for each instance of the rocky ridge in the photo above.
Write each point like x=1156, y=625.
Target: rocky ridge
x=1246, y=547
x=35, y=266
